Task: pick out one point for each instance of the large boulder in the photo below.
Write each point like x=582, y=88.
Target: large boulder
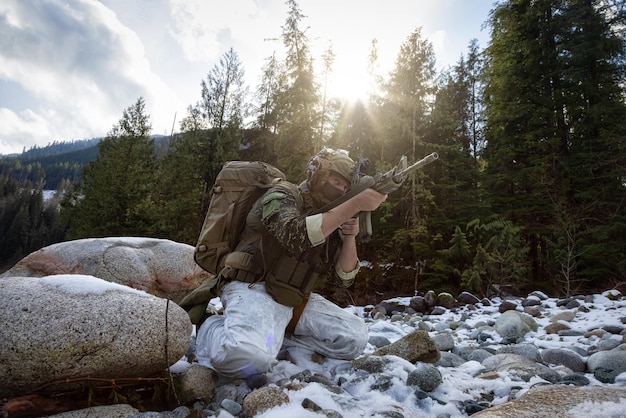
x=161, y=267
x=73, y=326
x=561, y=401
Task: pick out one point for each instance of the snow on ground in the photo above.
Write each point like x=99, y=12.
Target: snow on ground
x=459, y=383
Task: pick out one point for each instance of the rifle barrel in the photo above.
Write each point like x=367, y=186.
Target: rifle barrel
x=399, y=177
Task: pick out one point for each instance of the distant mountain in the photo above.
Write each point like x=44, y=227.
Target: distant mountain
x=57, y=164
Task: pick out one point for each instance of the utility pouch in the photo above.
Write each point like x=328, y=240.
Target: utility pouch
x=283, y=293
x=291, y=280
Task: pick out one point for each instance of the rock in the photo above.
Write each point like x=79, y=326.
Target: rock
x=507, y=306
x=431, y=298
x=606, y=365
x=531, y=302
x=538, y=294
x=105, y=411
x=609, y=344
x=556, y=328
x=231, y=406
x=416, y=346
x=74, y=326
x=525, y=350
x=467, y=298
x=419, y=304
x=532, y=311
x=613, y=329
x=263, y=399
x=567, y=358
x=449, y=360
x=379, y=341
x=425, y=376
x=520, y=366
x=446, y=300
x=370, y=364
x=560, y=401
x=576, y=379
x=438, y=310
x=612, y=294
x=479, y=355
x=513, y=325
x=566, y=316
x=443, y=342
x=161, y=267
x=195, y=383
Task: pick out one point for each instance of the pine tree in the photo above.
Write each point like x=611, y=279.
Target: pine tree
x=407, y=106
x=114, y=198
x=456, y=128
x=555, y=129
x=299, y=104
x=212, y=134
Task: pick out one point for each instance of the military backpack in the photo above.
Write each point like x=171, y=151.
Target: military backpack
x=237, y=186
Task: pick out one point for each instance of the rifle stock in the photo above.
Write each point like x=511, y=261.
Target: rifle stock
x=384, y=183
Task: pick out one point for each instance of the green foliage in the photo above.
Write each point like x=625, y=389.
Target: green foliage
x=529, y=187
x=486, y=256
x=556, y=123
x=26, y=222
x=117, y=183
x=297, y=104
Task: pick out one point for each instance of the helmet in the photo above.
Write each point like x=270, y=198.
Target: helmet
x=321, y=165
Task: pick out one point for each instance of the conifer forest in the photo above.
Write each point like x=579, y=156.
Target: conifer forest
x=529, y=190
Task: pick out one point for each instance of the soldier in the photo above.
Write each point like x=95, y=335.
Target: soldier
x=267, y=296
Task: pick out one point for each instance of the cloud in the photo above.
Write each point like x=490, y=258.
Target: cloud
x=79, y=63
x=20, y=129
x=202, y=28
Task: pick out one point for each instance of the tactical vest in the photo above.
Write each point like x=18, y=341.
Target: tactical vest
x=289, y=278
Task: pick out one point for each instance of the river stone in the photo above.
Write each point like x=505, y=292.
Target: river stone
x=513, y=325
x=560, y=401
x=530, y=351
x=444, y=342
x=195, y=383
x=416, y=346
x=606, y=365
x=161, y=267
x=73, y=326
x=520, y=366
x=567, y=358
x=425, y=376
x=566, y=316
x=104, y=411
x=263, y=399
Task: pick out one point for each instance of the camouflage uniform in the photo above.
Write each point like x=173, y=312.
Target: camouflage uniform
x=247, y=338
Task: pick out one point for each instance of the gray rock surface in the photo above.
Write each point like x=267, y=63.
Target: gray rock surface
x=72, y=326
x=161, y=267
x=416, y=346
x=513, y=325
x=559, y=401
x=520, y=366
x=105, y=411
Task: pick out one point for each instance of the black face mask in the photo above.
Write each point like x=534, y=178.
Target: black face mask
x=330, y=192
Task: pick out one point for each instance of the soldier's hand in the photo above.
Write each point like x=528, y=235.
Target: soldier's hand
x=369, y=200
x=350, y=227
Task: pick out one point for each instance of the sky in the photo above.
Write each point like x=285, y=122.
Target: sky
x=69, y=68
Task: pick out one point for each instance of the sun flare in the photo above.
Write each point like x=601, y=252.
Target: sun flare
x=349, y=80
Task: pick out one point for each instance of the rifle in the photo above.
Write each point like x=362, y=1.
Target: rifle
x=384, y=183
